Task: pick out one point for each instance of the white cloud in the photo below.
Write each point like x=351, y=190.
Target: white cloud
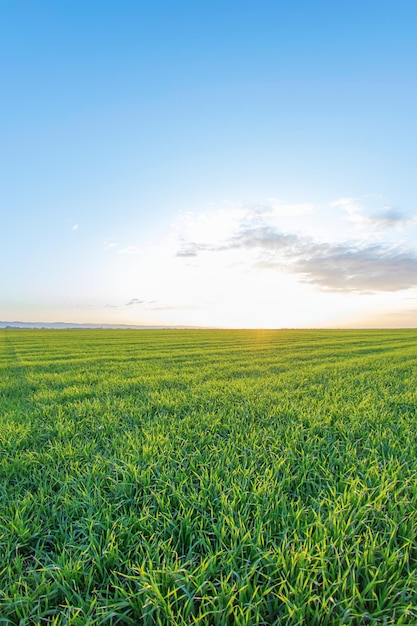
x=250, y=265
x=379, y=219
x=74, y=227
x=221, y=223
x=350, y=266
x=135, y=301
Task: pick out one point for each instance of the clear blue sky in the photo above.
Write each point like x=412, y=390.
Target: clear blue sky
x=157, y=158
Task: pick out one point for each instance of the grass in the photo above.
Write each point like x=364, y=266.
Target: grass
x=208, y=477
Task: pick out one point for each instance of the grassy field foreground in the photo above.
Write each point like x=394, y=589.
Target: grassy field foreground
x=208, y=477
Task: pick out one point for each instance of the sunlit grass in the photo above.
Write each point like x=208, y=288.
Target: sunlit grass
x=208, y=477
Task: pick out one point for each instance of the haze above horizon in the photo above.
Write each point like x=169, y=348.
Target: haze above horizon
x=212, y=164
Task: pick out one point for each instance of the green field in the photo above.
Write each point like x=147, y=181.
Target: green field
x=208, y=477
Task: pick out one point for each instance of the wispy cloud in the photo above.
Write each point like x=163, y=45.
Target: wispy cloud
x=74, y=227
x=187, y=252
x=110, y=244
x=344, y=267
x=380, y=219
x=351, y=267
x=135, y=301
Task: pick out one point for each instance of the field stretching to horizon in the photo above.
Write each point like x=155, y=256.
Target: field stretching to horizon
x=208, y=477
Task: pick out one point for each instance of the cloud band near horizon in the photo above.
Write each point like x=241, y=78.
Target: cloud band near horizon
x=351, y=267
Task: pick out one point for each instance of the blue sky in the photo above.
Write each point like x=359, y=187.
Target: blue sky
x=209, y=163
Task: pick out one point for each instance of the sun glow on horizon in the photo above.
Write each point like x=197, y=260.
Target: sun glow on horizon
x=255, y=266
x=154, y=178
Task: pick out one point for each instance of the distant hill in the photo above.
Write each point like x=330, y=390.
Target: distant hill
x=69, y=325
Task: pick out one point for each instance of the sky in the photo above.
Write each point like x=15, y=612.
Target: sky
x=224, y=163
